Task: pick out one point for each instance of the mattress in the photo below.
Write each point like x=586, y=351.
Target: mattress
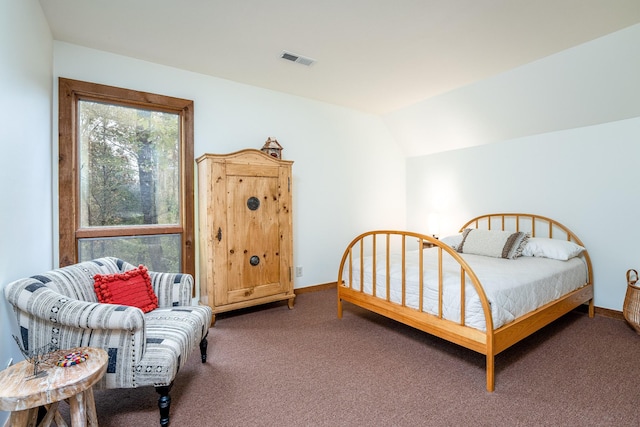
x=513, y=287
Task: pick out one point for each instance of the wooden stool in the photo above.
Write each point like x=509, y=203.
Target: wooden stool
x=22, y=394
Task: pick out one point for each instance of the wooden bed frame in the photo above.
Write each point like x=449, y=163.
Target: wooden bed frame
x=491, y=342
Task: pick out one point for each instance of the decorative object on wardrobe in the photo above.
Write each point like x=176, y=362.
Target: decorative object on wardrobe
x=272, y=148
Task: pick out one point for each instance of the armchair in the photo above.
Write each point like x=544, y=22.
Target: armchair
x=60, y=307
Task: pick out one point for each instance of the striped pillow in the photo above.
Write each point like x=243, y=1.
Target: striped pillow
x=493, y=243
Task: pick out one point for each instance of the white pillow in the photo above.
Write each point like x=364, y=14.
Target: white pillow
x=453, y=240
x=493, y=243
x=551, y=248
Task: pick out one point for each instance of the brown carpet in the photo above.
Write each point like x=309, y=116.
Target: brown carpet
x=270, y=366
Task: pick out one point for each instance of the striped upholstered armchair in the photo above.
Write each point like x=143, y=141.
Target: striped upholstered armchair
x=61, y=307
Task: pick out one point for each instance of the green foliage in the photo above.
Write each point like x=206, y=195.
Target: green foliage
x=157, y=253
x=129, y=165
x=129, y=173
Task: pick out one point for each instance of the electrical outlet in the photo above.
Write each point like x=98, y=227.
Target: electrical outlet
x=299, y=271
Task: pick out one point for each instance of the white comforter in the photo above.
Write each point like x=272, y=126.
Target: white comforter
x=513, y=287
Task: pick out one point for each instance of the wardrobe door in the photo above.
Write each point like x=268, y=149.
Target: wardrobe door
x=253, y=245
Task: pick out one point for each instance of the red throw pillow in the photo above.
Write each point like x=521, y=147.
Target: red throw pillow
x=132, y=288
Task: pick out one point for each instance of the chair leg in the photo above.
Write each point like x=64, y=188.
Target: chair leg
x=164, y=403
x=203, y=348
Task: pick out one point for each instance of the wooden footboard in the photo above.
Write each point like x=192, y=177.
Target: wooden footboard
x=373, y=290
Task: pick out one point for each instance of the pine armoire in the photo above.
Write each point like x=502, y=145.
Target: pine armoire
x=245, y=230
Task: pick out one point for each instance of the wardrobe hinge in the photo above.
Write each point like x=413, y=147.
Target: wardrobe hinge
x=289, y=184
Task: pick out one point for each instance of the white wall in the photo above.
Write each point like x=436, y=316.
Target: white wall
x=25, y=165
x=344, y=160
x=586, y=176
x=594, y=83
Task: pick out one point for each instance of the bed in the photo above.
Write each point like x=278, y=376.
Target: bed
x=501, y=278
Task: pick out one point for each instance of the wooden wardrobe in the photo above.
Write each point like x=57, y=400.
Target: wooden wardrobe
x=245, y=229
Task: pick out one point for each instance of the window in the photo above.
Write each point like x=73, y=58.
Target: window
x=125, y=177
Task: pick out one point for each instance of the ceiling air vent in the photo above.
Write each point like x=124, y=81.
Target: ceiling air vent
x=297, y=58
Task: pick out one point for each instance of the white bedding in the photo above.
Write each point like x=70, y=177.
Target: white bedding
x=513, y=287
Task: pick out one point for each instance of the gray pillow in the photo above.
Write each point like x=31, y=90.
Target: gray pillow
x=493, y=243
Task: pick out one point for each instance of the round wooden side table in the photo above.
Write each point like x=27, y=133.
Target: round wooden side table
x=21, y=393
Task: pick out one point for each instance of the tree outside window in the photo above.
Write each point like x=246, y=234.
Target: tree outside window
x=126, y=177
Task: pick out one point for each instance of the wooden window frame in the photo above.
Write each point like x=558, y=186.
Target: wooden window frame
x=70, y=92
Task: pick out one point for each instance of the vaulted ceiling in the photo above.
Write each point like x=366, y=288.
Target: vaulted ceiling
x=376, y=56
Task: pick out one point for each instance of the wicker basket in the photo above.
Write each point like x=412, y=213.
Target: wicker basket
x=631, y=307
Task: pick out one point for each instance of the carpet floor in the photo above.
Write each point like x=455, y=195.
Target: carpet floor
x=271, y=366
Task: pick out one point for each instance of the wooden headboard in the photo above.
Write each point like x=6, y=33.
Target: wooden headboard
x=536, y=225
